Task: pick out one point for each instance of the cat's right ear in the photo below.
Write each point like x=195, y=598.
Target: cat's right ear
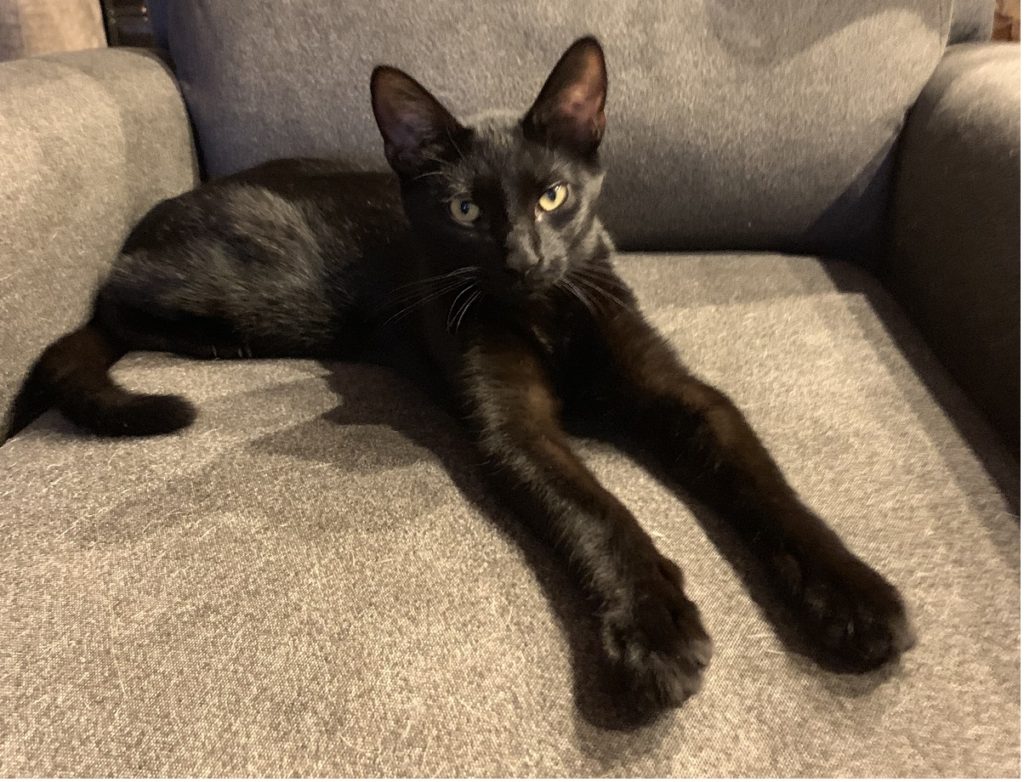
x=569, y=112
x=414, y=124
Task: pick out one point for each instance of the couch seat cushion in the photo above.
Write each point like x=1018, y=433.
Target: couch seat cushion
x=311, y=580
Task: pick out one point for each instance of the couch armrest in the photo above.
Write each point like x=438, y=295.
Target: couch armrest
x=88, y=143
x=954, y=252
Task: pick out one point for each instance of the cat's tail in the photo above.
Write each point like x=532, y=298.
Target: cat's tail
x=73, y=376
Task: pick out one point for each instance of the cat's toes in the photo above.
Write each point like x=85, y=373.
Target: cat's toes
x=657, y=640
x=857, y=618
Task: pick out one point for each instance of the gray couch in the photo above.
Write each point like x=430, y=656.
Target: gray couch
x=311, y=580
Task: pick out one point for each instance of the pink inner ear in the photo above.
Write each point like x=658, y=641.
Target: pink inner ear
x=409, y=129
x=579, y=103
x=582, y=108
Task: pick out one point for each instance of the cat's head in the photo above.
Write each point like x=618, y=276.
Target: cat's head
x=512, y=195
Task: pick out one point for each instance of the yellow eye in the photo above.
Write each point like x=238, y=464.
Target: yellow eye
x=463, y=210
x=553, y=198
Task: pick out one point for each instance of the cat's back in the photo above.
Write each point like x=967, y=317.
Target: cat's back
x=282, y=246
x=280, y=195
x=326, y=184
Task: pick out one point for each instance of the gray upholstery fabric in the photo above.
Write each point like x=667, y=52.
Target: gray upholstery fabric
x=731, y=124
x=89, y=142
x=29, y=27
x=955, y=255
x=311, y=582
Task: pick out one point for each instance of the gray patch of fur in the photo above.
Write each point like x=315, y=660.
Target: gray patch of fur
x=258, y=263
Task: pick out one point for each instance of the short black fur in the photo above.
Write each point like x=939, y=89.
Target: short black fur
x=484, y=271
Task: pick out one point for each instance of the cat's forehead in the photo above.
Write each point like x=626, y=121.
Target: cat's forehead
x=493, y=121
x=498, y=142
x=498, y=149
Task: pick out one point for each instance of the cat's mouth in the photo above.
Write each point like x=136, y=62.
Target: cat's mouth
x=531, y=284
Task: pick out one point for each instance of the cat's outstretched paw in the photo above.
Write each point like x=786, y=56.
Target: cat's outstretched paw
x=856, y=618
x=656, y=639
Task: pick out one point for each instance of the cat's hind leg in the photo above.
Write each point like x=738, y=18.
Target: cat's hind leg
x=173, y=331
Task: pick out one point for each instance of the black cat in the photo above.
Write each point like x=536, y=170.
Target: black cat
x=485, y=271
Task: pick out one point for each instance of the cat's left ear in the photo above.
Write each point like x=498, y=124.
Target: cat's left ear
x=414, y=124
x=569, y=111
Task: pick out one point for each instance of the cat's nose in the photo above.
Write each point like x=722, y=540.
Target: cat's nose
x=522, y=263
x=521, y=256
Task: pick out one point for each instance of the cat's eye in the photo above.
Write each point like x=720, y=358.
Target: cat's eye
x=463, y=210
x=553, y=198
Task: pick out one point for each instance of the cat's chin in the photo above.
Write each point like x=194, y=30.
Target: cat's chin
x=534, y=296
x=524, y=292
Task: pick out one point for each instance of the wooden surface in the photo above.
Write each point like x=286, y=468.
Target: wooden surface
x=1007, y=22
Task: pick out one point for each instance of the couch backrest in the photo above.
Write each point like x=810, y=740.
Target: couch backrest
x=972, y=21
x=731, y=123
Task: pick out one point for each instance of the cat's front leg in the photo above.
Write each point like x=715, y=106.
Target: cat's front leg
x=650, y=629
x=856, y=619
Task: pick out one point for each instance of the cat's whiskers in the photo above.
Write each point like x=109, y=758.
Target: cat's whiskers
x=429, y=296
x=598, y=272
x=461, y=271
x=433, y=159
x=415, y=297
x=612, y=298
x=417, y=288
x=598, y=286
x=448, y=131
x=465, y=308
x=567, y=285
x=432, y=288
x=452, y=314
